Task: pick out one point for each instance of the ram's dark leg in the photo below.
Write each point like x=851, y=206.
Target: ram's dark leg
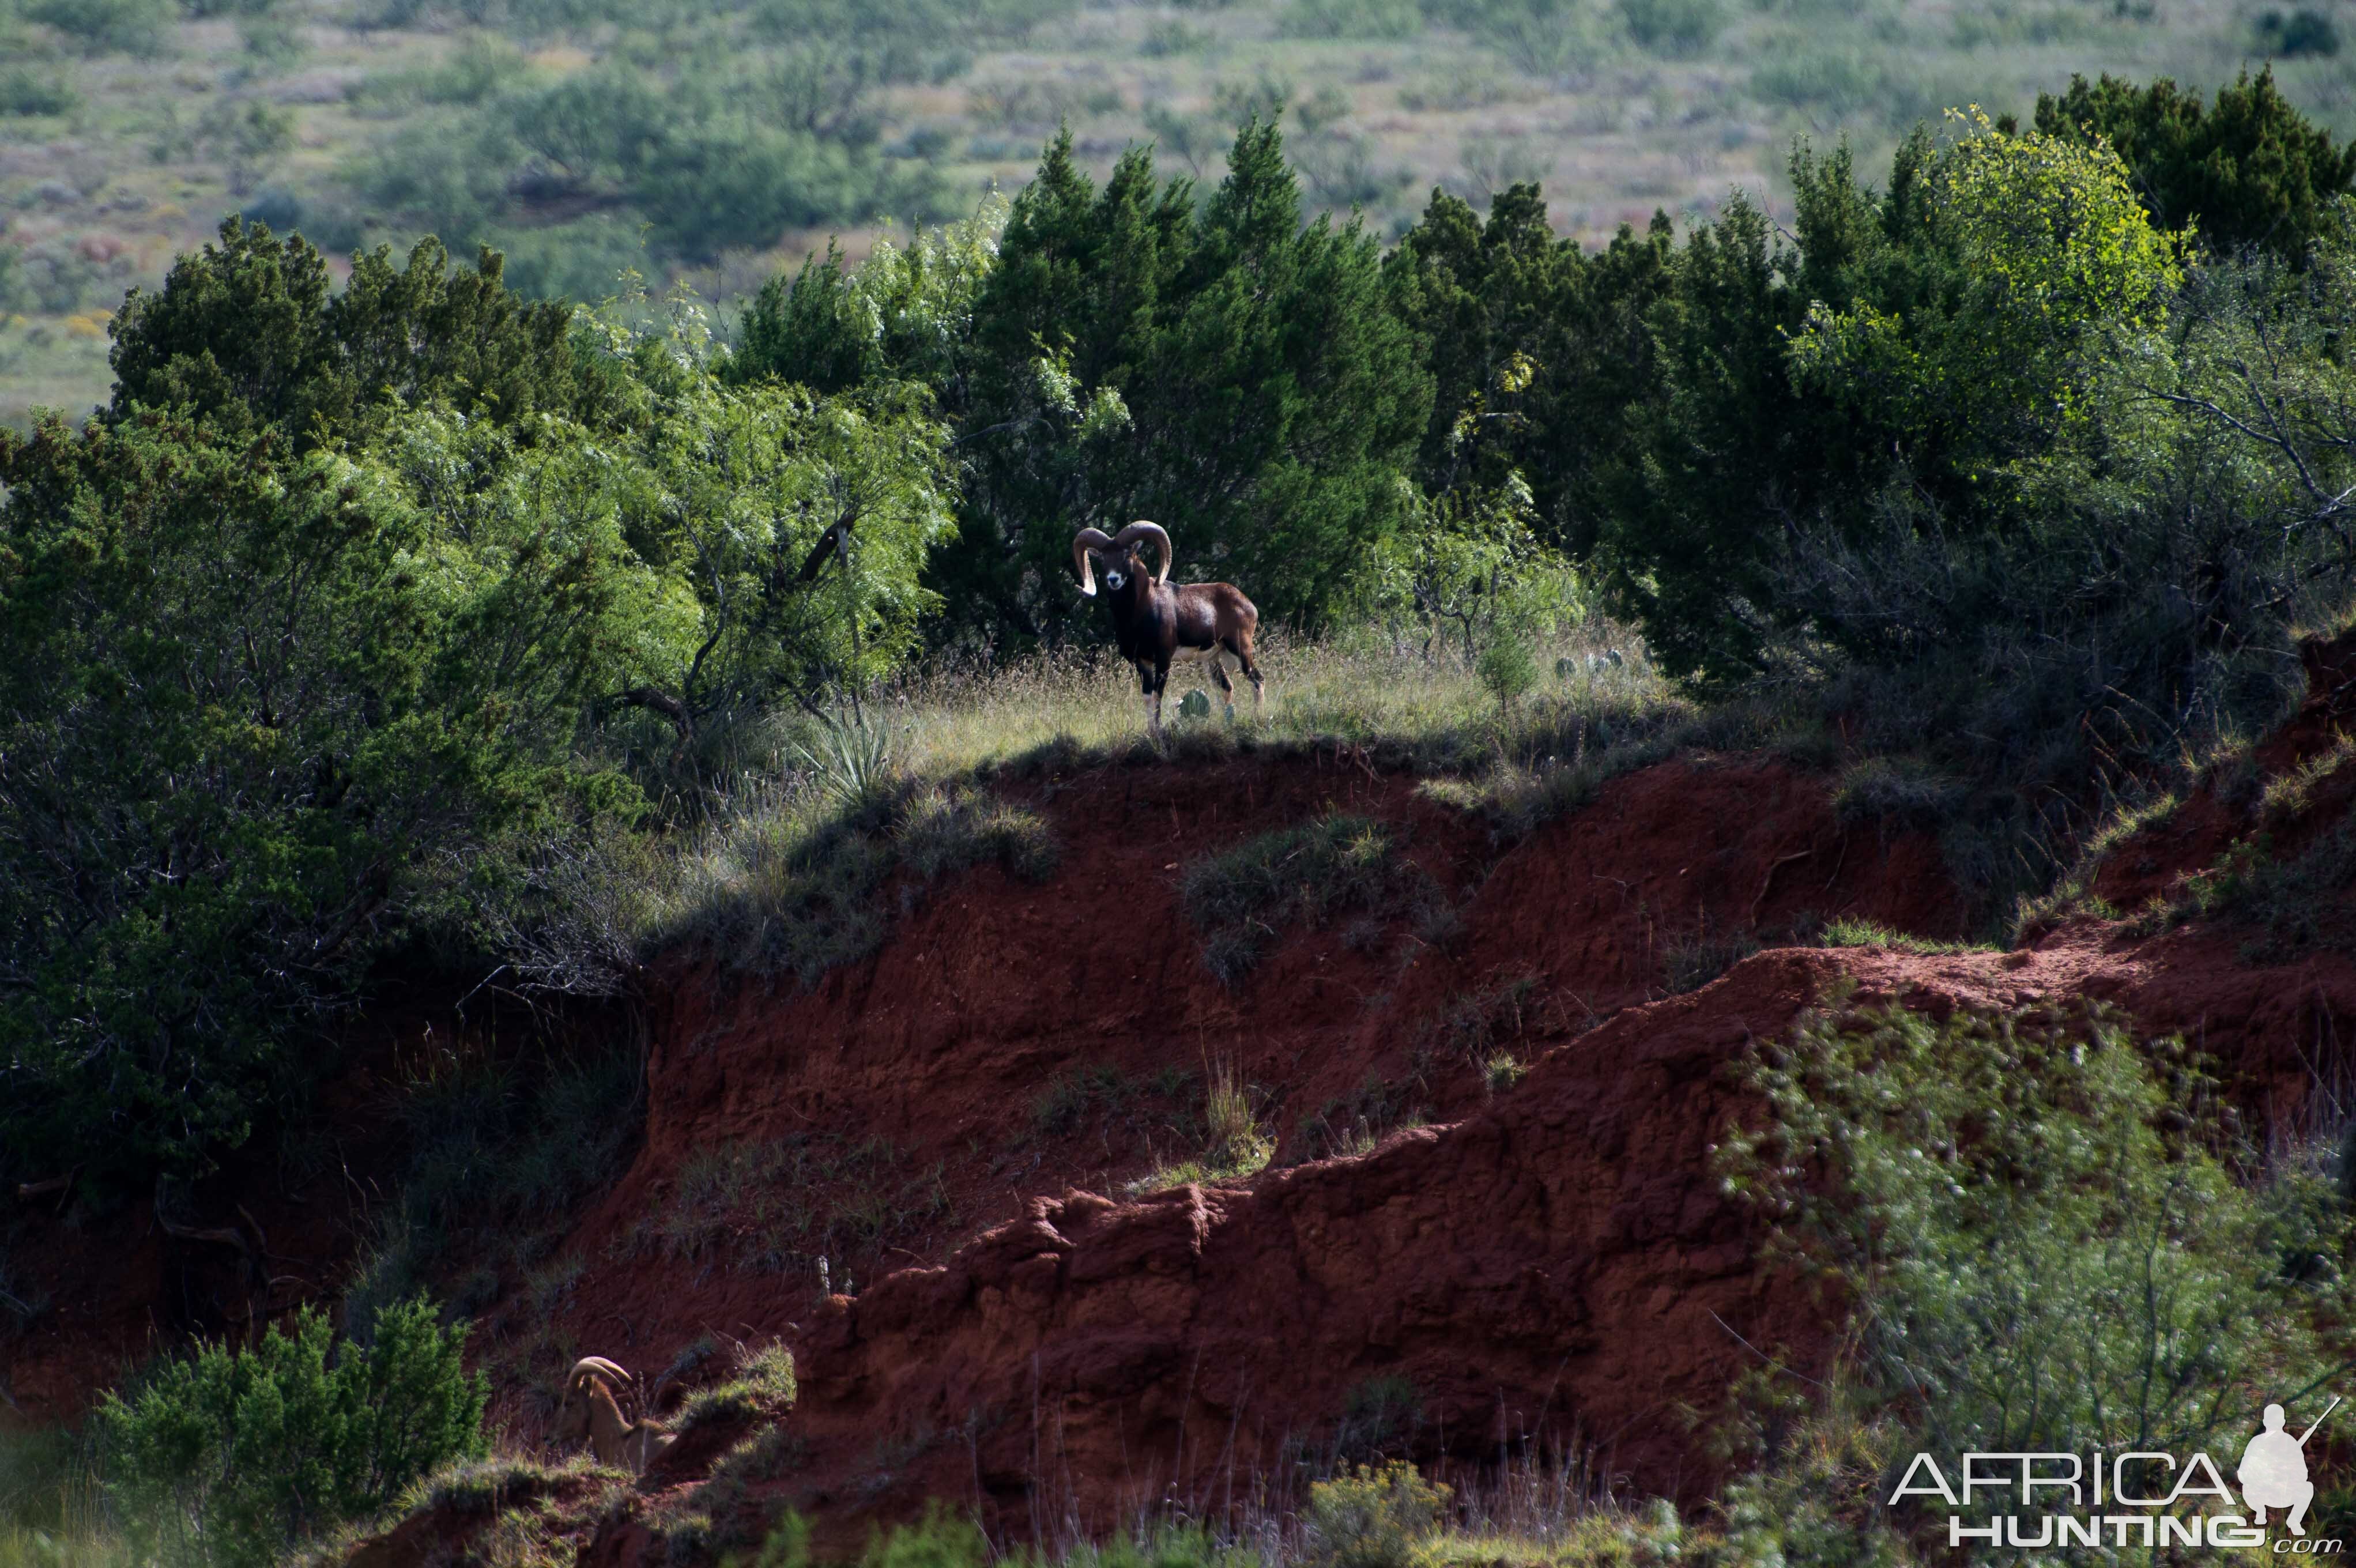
x=1240, y=645
x=1152, y=678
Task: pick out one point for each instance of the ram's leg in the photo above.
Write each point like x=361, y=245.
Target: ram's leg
x=1240, y=645
x=1219, y=674
x=1154, y=678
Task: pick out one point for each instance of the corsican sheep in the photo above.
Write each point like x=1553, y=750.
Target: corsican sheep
x=1155, y=623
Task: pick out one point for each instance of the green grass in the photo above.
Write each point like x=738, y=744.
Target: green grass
x=1235, y=1146
x=786, y=873
x=762, y=1385
x=1854, y=931
x=2288, y=796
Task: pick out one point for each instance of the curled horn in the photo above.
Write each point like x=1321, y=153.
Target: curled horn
x=598, y=1366
x=1083, y=542
x=1142, y=528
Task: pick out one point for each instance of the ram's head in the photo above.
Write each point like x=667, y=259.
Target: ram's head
x=1118, y=553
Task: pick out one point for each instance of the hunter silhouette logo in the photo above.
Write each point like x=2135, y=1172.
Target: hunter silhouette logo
x=2273, y=1470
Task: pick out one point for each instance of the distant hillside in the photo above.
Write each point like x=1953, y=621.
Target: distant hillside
x=713, y=143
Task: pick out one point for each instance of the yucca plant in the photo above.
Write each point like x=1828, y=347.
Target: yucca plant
x=851, y=762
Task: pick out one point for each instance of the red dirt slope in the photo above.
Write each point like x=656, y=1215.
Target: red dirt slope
x=1544, y=1259
x=942, y=1042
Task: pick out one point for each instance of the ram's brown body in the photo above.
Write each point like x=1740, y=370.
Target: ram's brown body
x=1155, y=625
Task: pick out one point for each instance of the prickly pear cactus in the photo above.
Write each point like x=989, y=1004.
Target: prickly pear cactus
x=1195, y=705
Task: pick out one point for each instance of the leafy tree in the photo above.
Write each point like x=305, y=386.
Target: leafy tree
x=284, y=699
x=265, y=706
x=1535, y=349
x=1245, y=381
x=226, y=1458
x=247, y=333
x=902, y=315
x=595, y=126
x=1926, y=336
x=800, y=526
x=2055, y=246
x=1469, y=569
x=2249, y=170
x=1271, y=391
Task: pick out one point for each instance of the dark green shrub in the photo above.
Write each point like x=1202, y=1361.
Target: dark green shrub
x=2249, y=170
x=110, y=27
x=27, y=90
x=226, y=1458
x=2303, y=32
x=720, y=188
x=1677, y=27
x=1260, y=411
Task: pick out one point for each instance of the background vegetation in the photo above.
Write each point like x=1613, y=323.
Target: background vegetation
x=716, y=140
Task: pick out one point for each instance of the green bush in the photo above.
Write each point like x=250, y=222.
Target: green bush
x=1676, y=27
x=721, y=188
x=224, y=1460
x=1370, y=1517
x=27, y=90
x=587, y=261
x=460, y=675
x=1351, y=18
x=1840, y=83
x=2248, y=169
x=594, y=126
x=2303, y=32
x=446, y=177
x=2054, y=1238
x=1508, y=668
x=110, y=27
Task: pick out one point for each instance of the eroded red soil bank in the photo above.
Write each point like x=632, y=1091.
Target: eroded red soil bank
x=1547, y=1258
